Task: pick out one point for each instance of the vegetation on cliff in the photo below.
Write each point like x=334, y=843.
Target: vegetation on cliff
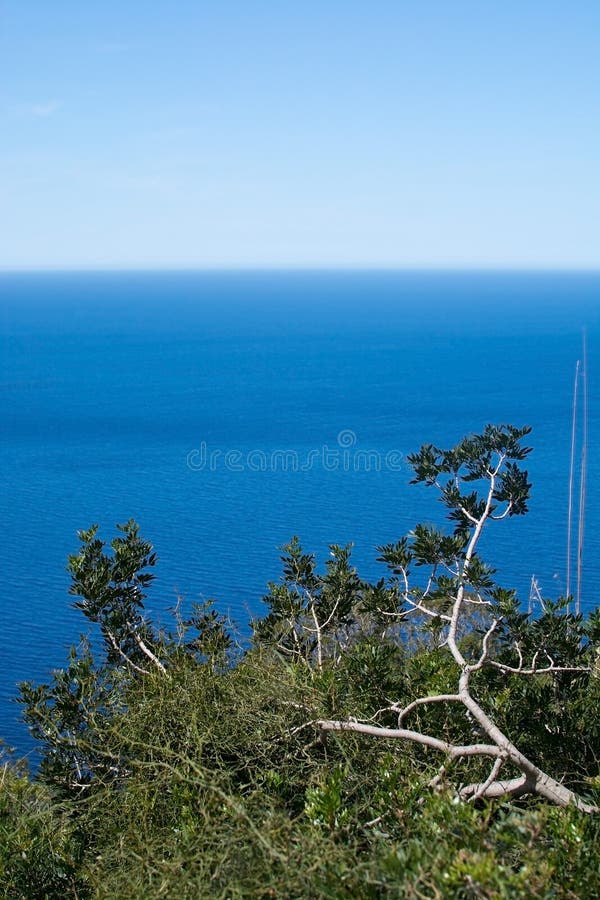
x=418, y=737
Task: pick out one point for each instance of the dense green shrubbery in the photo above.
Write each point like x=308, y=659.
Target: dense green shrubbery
x=222, y=792
x=180, y=765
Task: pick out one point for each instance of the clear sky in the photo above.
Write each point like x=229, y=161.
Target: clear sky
x=299, y=133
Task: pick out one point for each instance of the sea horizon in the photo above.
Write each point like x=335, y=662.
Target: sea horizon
x=223, y=268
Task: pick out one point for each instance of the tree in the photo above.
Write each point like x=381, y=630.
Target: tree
x=112, y=590
x=480, y=481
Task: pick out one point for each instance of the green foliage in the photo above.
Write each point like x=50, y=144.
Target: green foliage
x=212, y=641
x=178, y=765
x=308, y=609
x=67, y=715
x=324, y=803
x=39, y=849
x=112, y=589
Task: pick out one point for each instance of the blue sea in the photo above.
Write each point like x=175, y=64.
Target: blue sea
x=228, y=411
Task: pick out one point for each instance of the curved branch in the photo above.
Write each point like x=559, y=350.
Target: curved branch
x=454, y=751
x=422, y=701
x=147, y=651
x=504, y=514
x=482, y=788
x=511, y=787
x=112, y=641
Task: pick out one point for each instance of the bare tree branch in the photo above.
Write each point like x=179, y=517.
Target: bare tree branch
x=422, y=701
x=146, y=650
x=480, y=792
x=452, y=750
x=124, y=656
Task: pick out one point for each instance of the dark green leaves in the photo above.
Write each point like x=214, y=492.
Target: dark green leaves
x=513, y=488
x=396, y=556
x=431, y=547
x=111, y=583
x=308, y=608
x=473, y=458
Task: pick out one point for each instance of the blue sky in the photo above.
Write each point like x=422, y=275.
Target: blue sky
x=274, y=133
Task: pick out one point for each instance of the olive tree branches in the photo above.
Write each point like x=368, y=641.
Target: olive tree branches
x=459, y=582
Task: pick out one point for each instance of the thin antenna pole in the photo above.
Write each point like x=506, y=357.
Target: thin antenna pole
x=531, y=591
x=583, y=477
x=571, y=479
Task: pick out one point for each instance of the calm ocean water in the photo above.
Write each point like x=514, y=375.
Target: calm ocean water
x=228, y=411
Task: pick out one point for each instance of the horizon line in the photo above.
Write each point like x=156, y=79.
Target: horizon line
x=298, y=269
